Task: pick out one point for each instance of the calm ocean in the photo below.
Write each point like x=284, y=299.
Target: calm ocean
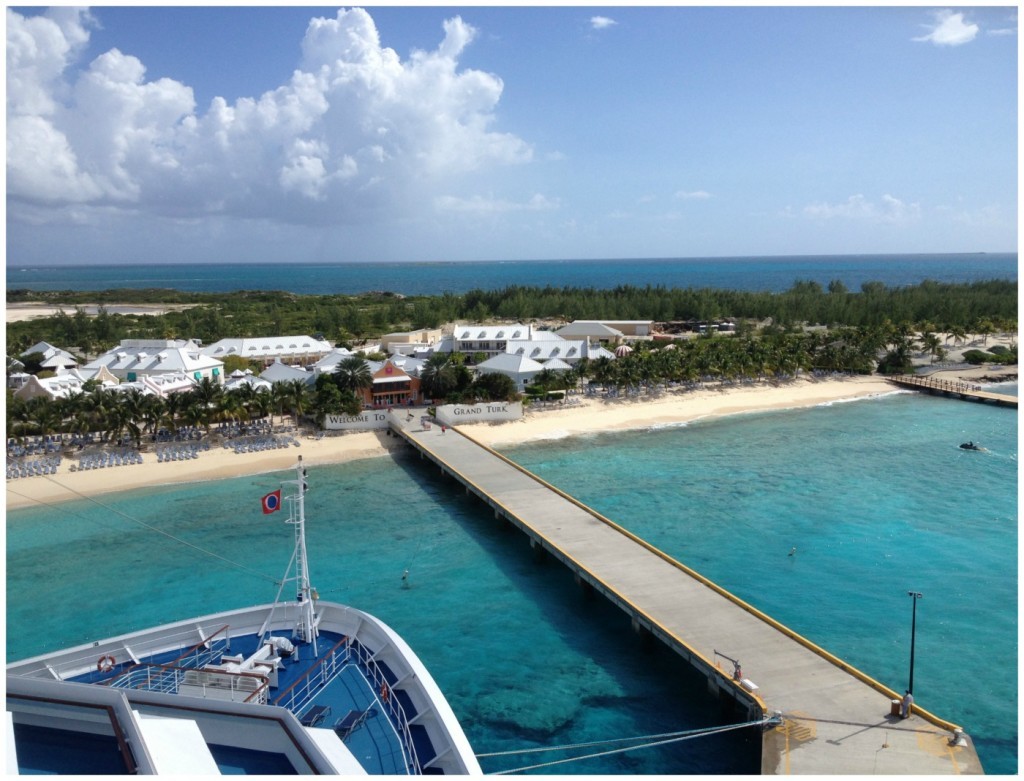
x=874, y=494
x=773, y=274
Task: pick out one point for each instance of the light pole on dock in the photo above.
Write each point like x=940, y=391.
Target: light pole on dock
x=914, y=595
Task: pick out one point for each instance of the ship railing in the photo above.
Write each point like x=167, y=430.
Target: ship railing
x=379, y=682
x=200, y=652
x=343, y=654
x=218, y=684
x=150, y=677
x=300, y=693
x=206, y=651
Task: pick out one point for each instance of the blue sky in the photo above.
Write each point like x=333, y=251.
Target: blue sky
x=271, y=134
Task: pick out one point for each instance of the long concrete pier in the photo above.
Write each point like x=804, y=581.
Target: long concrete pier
x=822, y=715
x=954, y=389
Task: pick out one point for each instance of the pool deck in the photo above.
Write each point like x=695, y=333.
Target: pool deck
x=829, y=717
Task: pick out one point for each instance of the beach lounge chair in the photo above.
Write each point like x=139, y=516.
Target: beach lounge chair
x=350, y=722
x=315, y=715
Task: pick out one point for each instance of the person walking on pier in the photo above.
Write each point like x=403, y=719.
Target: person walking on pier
x=906, y=704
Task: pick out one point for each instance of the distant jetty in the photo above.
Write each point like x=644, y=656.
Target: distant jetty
x=954, y=389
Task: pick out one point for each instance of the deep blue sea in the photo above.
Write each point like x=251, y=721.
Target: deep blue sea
x=773, y=274
x=874, y=494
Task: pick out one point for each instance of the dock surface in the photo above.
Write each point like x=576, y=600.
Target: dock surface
x=954, y=389
x=830, y=718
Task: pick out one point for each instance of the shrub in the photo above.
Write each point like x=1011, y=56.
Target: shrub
x=978, y=356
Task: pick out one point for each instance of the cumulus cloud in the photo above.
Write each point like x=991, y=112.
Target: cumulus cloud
x=857, y=207
x=355, y=129
x=949, y=29
x=601, y=22
x=487, y=205
x=692, y=195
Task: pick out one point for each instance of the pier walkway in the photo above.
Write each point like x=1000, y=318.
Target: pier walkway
x=832, y=719
x=956, y=389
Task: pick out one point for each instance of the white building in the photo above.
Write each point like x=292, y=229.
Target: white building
x=281, y=372
x=59, y=386
x=134, y=359
x=267, y=349
x=238, y=378
x=490, y=340
x=329, y=362
x=54, y=358
x=411, y=342
x=591, y=330
x=546, y=346
x=521, y=369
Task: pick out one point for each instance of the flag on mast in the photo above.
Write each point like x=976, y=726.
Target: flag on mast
x=272, y=502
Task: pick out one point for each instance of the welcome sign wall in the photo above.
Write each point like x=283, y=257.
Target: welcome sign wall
x=368, y=419
x=454, y=414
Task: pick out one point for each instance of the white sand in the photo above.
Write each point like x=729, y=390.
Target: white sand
x=591, y=415
x=17, y=312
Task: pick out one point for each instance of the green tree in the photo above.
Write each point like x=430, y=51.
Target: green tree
x=353, y=374
x=494, y=387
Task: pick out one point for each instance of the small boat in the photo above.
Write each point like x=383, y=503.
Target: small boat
x=293, y=687
x=972, y=446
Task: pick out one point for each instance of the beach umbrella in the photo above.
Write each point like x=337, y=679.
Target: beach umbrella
x=623, y=350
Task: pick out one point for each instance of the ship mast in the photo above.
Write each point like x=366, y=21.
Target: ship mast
x=306, y=596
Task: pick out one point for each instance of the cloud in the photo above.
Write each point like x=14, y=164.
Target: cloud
x=693, y=195
x=481, y=205
x=355, y=133
x=949, y=29
x=601, y=22
x=857, y=207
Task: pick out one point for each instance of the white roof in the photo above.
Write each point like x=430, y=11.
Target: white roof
x=546, y=349
x=556, y=365
x=252, y=381
x=332, y=359
x=59, y=386
x=279, y=372
x=509, y=362
x=477, y=333
x=154, y=360
x=589, y=328
x=53, y=357
x=269, y=347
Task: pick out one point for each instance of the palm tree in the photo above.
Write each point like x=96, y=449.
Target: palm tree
x=262, y=403
x=957, y=333
x=603, y=370
x=931, y=343
x=130, y=412
x=439, y=376
x=206, y=395
x=296, y=397
x=353, y=374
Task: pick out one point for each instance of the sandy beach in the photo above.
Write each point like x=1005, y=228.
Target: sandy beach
x=589, y=415
x=18, y=312
x=583, y=416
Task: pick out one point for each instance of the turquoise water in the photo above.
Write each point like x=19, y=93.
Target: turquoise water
x=875, y=495
x=772, y=273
